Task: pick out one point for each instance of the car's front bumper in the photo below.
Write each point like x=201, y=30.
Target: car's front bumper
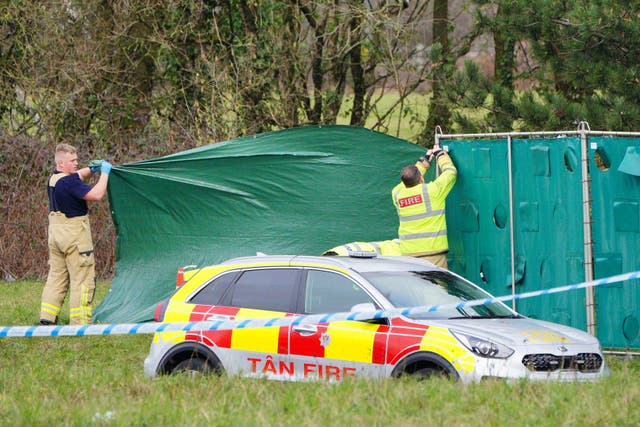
x=513, y=368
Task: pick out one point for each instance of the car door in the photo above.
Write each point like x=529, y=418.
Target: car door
x=337, y=349
x=254, y=293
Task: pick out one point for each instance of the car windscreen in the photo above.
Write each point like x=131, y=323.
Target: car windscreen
x=429, y=288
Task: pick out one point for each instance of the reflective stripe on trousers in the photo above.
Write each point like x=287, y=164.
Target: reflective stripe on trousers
x=71, y=267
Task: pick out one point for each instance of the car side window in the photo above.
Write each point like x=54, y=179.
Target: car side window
x=213, y=291
x=328, y=292
x=271, y=289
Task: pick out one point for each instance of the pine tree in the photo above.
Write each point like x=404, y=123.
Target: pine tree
x=556, y=63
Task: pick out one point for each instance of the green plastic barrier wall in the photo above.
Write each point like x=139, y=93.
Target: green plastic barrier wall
x=616, y=236
x=548, y=232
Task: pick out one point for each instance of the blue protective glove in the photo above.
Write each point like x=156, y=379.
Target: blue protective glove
x=105, y=167
x=94, y=165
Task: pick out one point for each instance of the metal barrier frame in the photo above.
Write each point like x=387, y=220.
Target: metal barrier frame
x=584, y=132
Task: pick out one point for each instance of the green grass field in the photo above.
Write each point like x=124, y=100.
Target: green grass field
x=81, y=381
x=400, y=123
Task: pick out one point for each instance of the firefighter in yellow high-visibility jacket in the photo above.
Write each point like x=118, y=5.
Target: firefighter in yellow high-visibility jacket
x=421, y=208
x=385, y=247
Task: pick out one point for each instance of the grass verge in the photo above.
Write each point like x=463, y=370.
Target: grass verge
x=80, y=381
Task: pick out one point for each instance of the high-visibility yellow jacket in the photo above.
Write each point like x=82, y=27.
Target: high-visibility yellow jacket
x=421, y=211
x=386, y=247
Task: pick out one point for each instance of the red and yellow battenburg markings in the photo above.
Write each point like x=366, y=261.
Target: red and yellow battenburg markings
x=440, y=341
x=263, y=339
x=180, y=312
x=379, y=355
x=310, y=345
x=406, y=339
x=343, y=340
x=334, y=340
x=220, y=338
x=343, y=344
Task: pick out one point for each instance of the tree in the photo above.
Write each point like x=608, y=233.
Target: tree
x=556, y=63
x=130, y=80
x=439, y=113
x=590, y=50
x=118, y=74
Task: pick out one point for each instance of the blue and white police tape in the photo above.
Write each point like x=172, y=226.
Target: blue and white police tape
x=152, y=327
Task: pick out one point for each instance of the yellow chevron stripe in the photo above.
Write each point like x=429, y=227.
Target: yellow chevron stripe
x=440, y=341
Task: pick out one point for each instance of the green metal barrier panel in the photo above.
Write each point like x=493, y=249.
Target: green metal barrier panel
x=547, y=212
x=548, y=231
x=614, y=164
x=478, y=214
x=548, y=226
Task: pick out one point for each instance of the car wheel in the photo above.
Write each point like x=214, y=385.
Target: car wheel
x=193, y=367
x=190, y=358
x=423, y=365
x=430, y=372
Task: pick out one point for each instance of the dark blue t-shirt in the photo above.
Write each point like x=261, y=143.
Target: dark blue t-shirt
x=67, y=196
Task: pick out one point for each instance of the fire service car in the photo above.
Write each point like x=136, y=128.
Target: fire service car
x=469, y=343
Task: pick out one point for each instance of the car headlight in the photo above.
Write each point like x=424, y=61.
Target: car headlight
x=482, y=346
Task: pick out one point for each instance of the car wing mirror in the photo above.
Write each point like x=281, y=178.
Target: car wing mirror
x=368, y=307
x=364, y=306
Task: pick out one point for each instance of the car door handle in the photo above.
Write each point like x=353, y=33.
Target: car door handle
x=218, y=317
x=306, y=329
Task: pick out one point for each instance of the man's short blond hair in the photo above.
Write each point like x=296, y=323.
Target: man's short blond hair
x=64, y=148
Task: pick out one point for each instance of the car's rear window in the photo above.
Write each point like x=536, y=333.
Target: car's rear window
x=266, y=289
x=213, y=291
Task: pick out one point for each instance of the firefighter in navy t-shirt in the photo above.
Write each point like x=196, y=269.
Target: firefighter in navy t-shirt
x=71, y=260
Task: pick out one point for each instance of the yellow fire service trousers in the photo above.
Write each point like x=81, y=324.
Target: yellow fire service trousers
x=71, y=267
x=438, y=259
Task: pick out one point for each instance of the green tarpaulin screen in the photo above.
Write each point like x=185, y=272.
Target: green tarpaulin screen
x=297, y=191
